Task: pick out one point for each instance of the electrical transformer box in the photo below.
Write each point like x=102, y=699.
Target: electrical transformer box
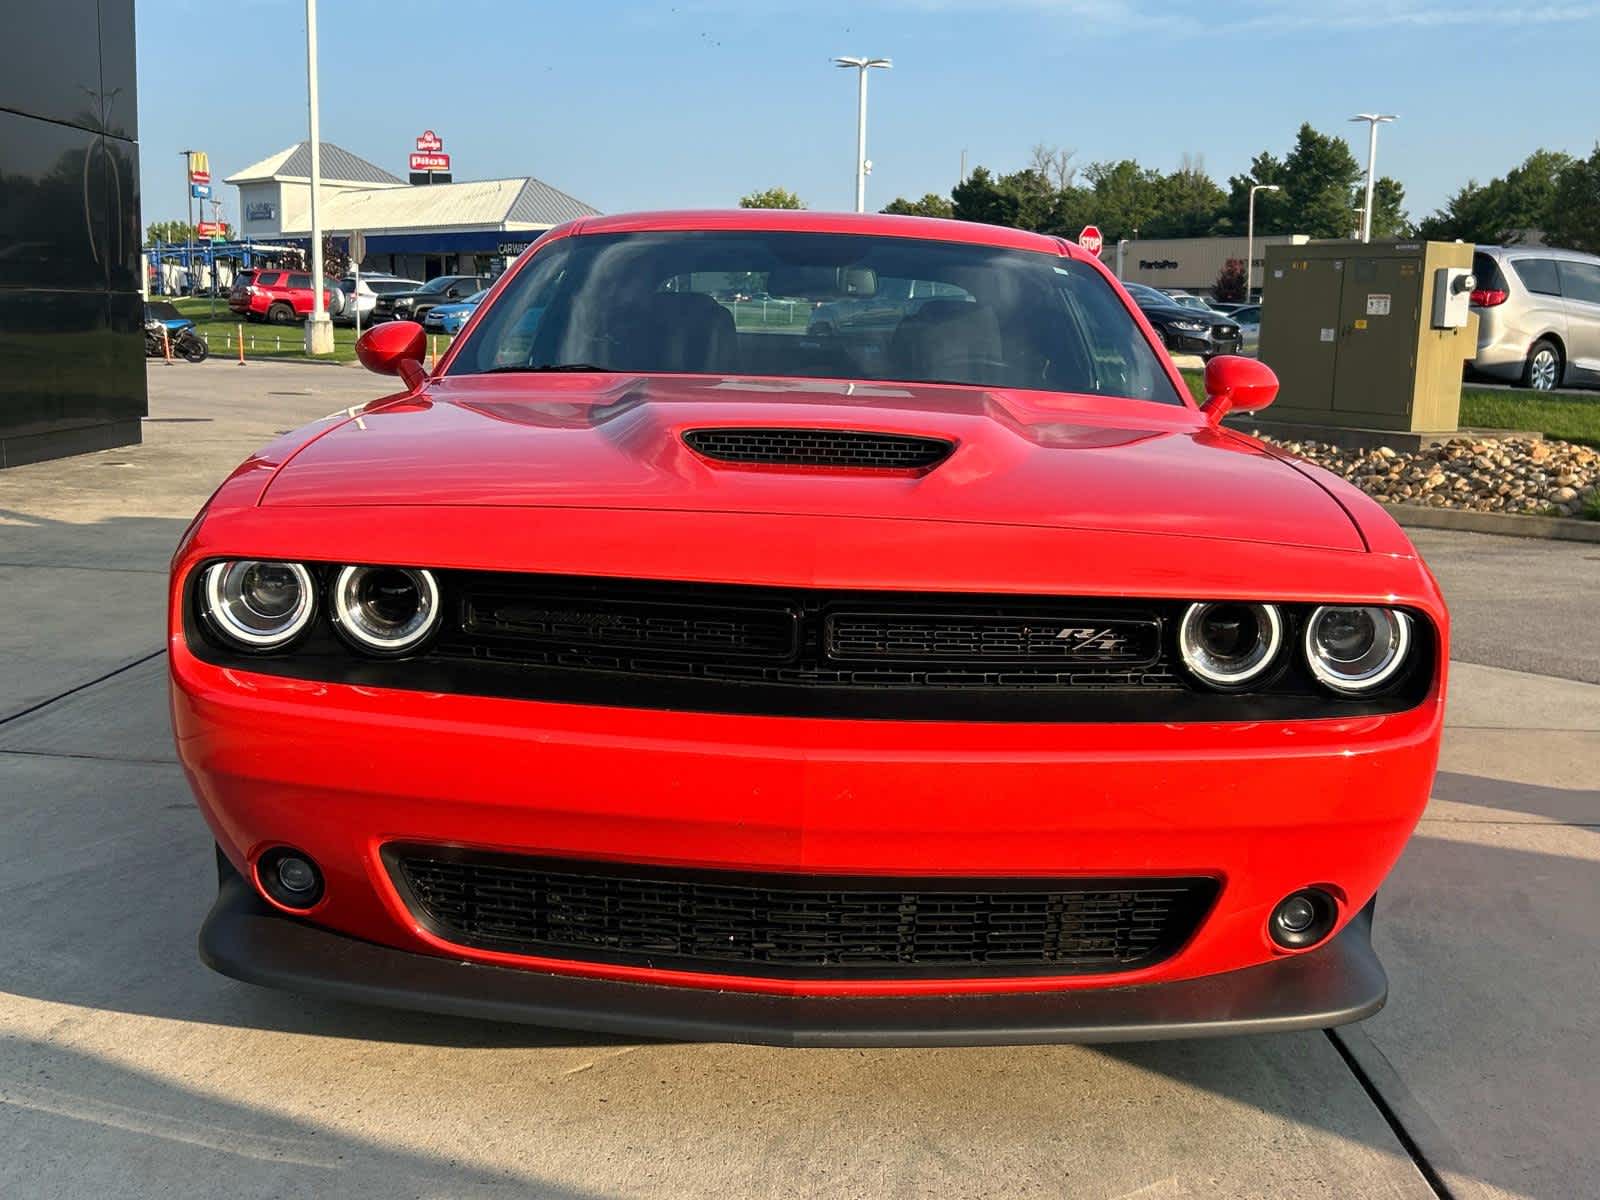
x=1369, y=336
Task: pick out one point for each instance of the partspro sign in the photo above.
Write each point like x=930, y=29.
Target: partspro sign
x=429, y=154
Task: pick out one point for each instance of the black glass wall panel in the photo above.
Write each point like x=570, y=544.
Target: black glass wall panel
x=71, y=316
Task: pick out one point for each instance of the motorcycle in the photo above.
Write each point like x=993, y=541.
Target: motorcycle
x=186, y=343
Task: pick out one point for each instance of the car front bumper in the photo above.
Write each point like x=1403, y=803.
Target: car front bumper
x=1263, y=808
x=245, y=938
x=1203, y=344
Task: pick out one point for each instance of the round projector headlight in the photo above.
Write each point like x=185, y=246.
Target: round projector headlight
x=1227, y=644
x=258, y=605
x=1356, y=649
x=385, y=610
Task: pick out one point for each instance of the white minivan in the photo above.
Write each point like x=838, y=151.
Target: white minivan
x=1538, y=315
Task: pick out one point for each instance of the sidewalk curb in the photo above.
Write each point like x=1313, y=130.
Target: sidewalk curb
x=1564, y=529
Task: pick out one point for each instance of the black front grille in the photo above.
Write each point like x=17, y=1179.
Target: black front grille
x=951, y=636
x=813, y=652
x=819, y=448
x=797, y=926
x=643, y=625
x=805, y=652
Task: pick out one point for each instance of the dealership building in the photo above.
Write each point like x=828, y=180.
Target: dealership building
x=1189, y=264
x=417, y=230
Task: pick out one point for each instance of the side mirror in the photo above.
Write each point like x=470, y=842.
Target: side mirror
x=1237, y=384
x=394, y=348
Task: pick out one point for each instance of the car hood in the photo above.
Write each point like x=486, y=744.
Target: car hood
x=616, y=441
x=1172, y=312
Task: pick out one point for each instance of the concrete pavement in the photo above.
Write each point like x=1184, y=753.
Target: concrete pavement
x=126, y=1068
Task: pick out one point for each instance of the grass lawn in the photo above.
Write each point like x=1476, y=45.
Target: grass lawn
x=1569, y=418
x=271, y=341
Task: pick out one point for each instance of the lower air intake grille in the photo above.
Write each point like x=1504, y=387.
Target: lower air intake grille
x=797, y=926
x=819, y=448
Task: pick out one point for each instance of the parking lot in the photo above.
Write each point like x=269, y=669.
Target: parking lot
x=128, y=1069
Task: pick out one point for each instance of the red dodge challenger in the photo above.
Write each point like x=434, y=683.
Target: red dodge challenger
x=809, y=629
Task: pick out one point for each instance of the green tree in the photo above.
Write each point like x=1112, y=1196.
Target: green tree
x=773, y=197
x=1034, y=195
x=1389, y=219
x=1188, y=203
x=931, y=205
x=169, y=231
x=1319, y=182
x=978, y=197
x=1125, y=196
x=1272, y=210
x=1573, y=220
x=1504, y=210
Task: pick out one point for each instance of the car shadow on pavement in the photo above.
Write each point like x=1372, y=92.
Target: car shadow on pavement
x=149, y=1135
x=1572, y=806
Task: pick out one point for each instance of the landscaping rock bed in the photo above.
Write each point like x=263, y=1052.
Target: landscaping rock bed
x=1510, y=475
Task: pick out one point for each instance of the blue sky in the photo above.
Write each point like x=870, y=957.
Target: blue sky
x=695, y=102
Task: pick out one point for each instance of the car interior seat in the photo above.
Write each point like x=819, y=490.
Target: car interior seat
x=674, y=331
x=955, y=340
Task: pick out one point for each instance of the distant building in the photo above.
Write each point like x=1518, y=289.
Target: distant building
x=417, y=231
x=1188, y=264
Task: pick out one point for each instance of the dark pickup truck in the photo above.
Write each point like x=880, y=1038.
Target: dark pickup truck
x=413, y=306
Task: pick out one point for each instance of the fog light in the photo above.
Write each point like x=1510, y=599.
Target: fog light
x=1302, y=918
x=290, y=877
x=298, y=875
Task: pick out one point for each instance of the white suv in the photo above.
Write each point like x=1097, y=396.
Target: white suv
x=372, y=286
x=1538, y=315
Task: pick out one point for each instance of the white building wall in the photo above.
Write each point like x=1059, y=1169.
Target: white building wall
x=1189, y=264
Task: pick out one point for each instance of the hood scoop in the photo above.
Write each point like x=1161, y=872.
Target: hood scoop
x=847, y=449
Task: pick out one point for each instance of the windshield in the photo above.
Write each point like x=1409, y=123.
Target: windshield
x=438, y=285
x=385, y=287
x=818, y=306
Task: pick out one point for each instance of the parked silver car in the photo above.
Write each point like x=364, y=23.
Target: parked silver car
x=1248, y=318
x=1538, y=315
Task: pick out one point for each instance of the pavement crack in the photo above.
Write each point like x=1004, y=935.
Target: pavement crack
x=82, y=687
x=1390, y=1111
x=111, y=758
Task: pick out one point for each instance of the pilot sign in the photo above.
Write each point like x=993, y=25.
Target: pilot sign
x=1378, y=304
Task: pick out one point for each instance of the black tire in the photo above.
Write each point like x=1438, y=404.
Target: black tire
x=1545, y=366
x=195, y=349
x=280, y=314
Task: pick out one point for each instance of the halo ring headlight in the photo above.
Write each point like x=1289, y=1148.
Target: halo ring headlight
x=258, y=604
x=385, y=610
x=1229, y=644
x=1354, y=649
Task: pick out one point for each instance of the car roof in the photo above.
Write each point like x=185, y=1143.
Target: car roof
x=936, y=229
x=1510, y=252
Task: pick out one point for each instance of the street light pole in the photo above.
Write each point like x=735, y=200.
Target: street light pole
x=1373, y=120
x=861, y=66
x=319, y=329
x=188, y=237
x=1250, y=233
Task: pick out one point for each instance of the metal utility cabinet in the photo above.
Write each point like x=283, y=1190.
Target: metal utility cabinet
x=1368, y=337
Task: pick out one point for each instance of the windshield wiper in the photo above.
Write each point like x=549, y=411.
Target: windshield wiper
x=541, y=368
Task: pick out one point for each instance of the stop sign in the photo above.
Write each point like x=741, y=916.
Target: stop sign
x=1091, y=240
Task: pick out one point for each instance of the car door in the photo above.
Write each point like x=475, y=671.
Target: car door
x=1540, y=311
x=299, y=292
x=1580, y=285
